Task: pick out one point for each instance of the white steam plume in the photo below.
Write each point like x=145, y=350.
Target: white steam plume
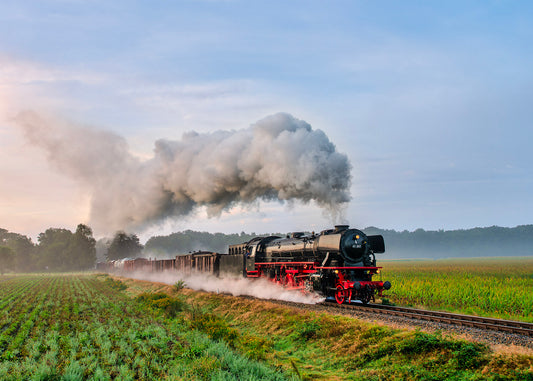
x=236, y=286
x=277, y=158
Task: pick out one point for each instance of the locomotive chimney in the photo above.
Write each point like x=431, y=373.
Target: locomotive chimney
x=341, y=228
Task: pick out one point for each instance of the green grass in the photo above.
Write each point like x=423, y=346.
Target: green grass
x=320, y=346
x=495, y=287
x=63, y=327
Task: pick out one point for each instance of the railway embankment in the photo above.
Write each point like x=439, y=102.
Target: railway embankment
x=323, y=342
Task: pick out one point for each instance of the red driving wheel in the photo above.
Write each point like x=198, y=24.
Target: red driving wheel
x=340, y=294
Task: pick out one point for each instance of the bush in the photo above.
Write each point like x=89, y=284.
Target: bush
x=468, y=355
x=115, y=284
x=421, y=343
x=161, y=301
x=179, y=285
x=215, y=327
x=387, y=302
x=171, y=306
x=462, y=354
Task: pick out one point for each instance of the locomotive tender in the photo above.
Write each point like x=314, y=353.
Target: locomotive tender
x=337, y=263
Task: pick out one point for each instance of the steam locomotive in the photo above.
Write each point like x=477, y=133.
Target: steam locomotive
x=337, y=263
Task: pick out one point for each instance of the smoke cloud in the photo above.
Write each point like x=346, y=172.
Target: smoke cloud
x=277, y=158
x=259, y=288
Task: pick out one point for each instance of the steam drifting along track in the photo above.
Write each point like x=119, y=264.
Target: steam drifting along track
x=509, y=326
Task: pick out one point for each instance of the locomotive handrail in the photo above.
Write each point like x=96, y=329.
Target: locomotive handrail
x=285, y=263
x=349, y=268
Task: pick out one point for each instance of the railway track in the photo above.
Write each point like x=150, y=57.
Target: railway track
x=509, y=326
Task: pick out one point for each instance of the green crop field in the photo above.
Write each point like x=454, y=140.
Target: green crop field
x=88, y=326
x=79, y=327
x=495, y=287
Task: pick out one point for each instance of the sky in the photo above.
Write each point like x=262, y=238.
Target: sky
x=431, y=102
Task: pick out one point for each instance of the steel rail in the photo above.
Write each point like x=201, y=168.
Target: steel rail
x=501, y=325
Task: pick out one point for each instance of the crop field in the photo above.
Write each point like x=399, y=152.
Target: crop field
x=494, y=287
x=80, y=327
x=89, y=326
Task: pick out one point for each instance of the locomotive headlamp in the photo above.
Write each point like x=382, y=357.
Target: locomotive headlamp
x=357, y=236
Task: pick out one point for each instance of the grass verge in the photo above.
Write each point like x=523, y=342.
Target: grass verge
x=315, y=346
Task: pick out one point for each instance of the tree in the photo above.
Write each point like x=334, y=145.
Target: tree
x=53, y=251
x=82, y=249
x=24, y=250
x=124, y=246
x=62, y=250
x=6, y=258
x=22, y=247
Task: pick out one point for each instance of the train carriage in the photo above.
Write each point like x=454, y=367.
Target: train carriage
x=164, y=265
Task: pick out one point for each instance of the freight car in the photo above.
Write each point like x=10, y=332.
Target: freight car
x=337, y=263
x=200, y=261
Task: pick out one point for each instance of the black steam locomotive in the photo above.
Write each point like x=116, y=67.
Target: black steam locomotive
x=337, y=263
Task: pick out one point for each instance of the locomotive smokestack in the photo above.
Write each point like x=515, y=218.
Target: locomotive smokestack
x=277, y=158
x=340, y=228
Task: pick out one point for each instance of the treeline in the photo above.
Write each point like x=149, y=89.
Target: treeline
x=57, y=250
x=189, y=241
x=477, y=242
x=61, y=250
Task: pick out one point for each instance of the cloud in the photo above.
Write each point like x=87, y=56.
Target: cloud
x=278, y=158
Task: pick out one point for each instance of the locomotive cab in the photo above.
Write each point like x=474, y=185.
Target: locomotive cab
x=249, y=256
